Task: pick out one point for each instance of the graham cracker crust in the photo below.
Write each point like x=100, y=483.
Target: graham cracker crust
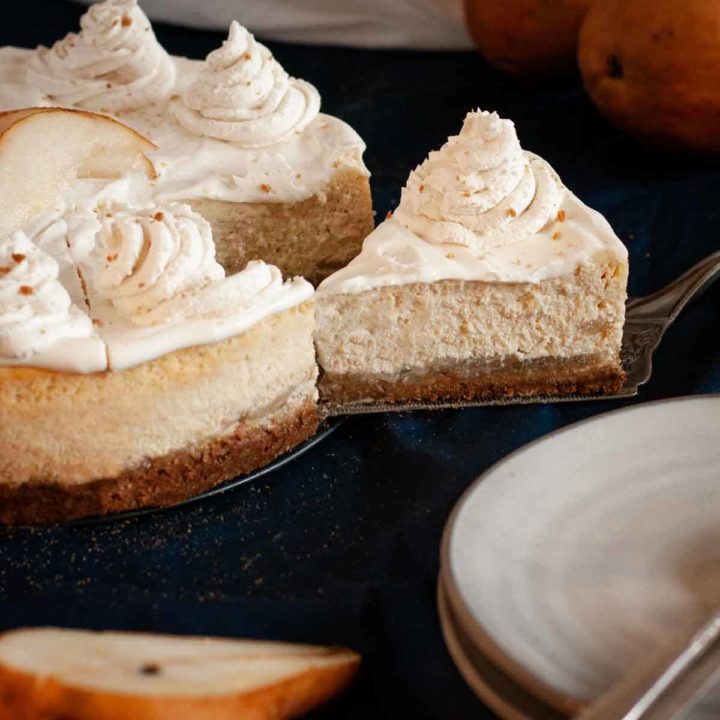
x=475, y=381
x=167, y=480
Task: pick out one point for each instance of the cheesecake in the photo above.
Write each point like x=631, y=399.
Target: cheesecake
x=237, y=138
x=490, y=280
x=134, y=371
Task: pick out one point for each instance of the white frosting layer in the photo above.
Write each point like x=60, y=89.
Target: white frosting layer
x=114, y=63
x=39, y=325
x=243, y=95
x=245, y=131
x=194, y=167
x=15, y=92
x=67, y=231
x=480, y=209
x=49, y=233
x=241, y=130
x=394, y=255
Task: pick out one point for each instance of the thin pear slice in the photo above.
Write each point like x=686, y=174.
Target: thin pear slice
x=42, y=150
x=48, y=672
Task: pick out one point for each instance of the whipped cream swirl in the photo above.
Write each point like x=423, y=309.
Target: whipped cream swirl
x=158, y=267
x=115, y=63
x=244, y=96
x=145, y=259
x=480, y=190
x=35, y=309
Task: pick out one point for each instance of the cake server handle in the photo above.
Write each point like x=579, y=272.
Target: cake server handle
x=666, y=304
x=670, y=686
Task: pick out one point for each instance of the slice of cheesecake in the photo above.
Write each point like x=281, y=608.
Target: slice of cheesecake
x=204, y=376
x=491, y=280
x=239, y=140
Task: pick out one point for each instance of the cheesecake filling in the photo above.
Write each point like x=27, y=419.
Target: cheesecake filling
x=114, y=63
x=481, y=208
x=181, y=402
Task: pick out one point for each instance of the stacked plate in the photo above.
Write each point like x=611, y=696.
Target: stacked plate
x=578, y=556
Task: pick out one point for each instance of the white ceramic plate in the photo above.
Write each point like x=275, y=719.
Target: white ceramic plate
x=497, y=690
x=579, y=555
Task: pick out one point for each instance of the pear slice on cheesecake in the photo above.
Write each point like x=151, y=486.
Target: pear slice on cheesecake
x=64, y=145
x=54, y=673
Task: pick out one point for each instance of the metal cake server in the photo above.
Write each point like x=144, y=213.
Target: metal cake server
x=669, y=686
x=647, y=319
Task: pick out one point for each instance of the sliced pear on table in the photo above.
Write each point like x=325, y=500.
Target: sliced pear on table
x=81, y=675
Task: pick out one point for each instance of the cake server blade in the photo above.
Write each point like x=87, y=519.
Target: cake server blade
x=646, y=320
x=669, y=686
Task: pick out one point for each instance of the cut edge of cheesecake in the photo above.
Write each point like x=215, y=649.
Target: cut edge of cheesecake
x=311, y=238
x=462, y=341
x=165, y=480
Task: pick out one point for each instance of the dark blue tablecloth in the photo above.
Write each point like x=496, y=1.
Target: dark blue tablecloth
x=341, y=546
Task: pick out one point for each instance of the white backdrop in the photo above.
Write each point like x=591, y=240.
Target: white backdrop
x=360, y=23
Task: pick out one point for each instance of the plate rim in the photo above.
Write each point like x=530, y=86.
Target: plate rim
x=478, y=682
x=504, y=661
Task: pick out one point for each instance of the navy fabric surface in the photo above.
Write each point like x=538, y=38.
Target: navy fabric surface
x=341, y=545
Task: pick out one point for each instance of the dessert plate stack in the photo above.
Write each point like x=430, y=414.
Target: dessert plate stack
x=582, y=554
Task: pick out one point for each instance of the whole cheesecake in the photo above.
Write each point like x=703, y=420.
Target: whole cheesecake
x=237, y=138
x=165, y=377
x=490, y=280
